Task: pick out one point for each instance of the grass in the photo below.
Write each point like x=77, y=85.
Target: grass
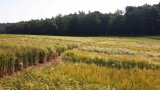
x=108, y=60
x=81, y=76
x=86, y=63
x=18, y=52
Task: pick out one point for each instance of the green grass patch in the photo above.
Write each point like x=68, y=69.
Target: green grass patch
x=102, y=60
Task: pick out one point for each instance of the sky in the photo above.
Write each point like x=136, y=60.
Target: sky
x=24, y=10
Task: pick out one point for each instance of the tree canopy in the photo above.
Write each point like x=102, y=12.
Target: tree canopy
x=136, y=21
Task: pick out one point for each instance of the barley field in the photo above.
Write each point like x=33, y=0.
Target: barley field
x=29, y=62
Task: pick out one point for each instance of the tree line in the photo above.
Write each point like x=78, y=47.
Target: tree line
x=135, y=21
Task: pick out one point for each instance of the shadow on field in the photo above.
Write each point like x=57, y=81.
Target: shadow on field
x=154, y=37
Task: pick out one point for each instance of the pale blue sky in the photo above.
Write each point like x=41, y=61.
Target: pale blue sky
x=18, y=10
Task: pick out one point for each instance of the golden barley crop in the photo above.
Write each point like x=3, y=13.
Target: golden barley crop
x=83, y=63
